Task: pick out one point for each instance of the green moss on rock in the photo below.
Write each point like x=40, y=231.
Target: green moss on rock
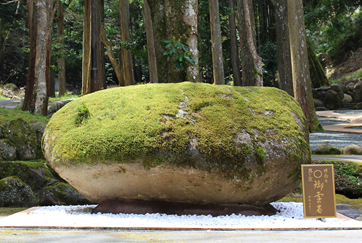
x=328, y=149
x=34, y=174
x=14, y=192
x=156, y=124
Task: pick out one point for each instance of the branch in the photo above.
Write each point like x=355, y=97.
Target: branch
x=111, y=57
x=13, y=1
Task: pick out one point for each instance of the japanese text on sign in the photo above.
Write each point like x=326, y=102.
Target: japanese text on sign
x=318, y=191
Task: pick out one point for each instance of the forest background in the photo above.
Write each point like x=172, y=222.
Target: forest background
x=333, y=29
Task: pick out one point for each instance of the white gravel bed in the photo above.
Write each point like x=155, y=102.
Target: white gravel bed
x=290, y=216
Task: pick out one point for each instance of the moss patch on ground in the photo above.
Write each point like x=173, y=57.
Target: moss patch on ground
x=8, y=211
x=340, y=199
x=7, y=115
x=144, y=120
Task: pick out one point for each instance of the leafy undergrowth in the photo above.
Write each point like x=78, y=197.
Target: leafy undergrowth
x=347, y=174
x=7, y=115
x=347, y=76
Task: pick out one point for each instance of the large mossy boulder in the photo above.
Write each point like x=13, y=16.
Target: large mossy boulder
x=186, y=142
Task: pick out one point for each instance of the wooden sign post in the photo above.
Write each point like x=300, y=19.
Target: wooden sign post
x=319, y=200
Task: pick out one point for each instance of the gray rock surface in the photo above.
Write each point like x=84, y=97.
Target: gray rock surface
x=7, y=150
x=332, y=100
x=352, y=149
x=328, y=149
x=25, y=184
x=15, y=193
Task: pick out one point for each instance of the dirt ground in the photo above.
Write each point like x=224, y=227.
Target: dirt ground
x=351, y=65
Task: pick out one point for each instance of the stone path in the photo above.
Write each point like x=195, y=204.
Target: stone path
x=52, y=106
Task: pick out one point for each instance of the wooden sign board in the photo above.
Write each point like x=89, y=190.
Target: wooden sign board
x=319, y=199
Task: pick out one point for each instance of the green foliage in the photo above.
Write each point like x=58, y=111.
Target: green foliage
x=349, y=76
x=178, y=52
x=83, y=114
x=338, y=29
x=7, y=115
x=259, y=153
x=66, y=96
x=268, y=52
x=346, y=174
x=13, y=43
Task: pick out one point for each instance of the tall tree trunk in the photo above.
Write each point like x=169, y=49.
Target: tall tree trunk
x=174, y=28
x=190, y=19
x=170, y=20
x=62, y=85
x=283, y=47
x=36, y=96
x=217, y=58
x=234, y=46
x=251, y=62
x=152, y=62
x=101, y=63
x=41, y=57
x=45, y=15
x=49, y=83
x=86, y=58
x=94, y=45
x=28, y=104
x=299, y=57
x=92, y=62
x=158, y=18
x=126, y=55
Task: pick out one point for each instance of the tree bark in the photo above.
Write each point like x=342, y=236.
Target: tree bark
x=28, y=104
x=217, y=58
x=152, y=62
x=190, y=19
x=125, y=36
x=283, y=47
x=86, y=58
x=102, y=84
x=158, y=18
x=174, y=19
x=62, y=85
x=45, y=15
x=41, y=57
x=251, y=62
x=92, y=62
x=299, y=56
x=234, y=46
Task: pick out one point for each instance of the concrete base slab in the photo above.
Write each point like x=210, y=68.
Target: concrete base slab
x=33, y=219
